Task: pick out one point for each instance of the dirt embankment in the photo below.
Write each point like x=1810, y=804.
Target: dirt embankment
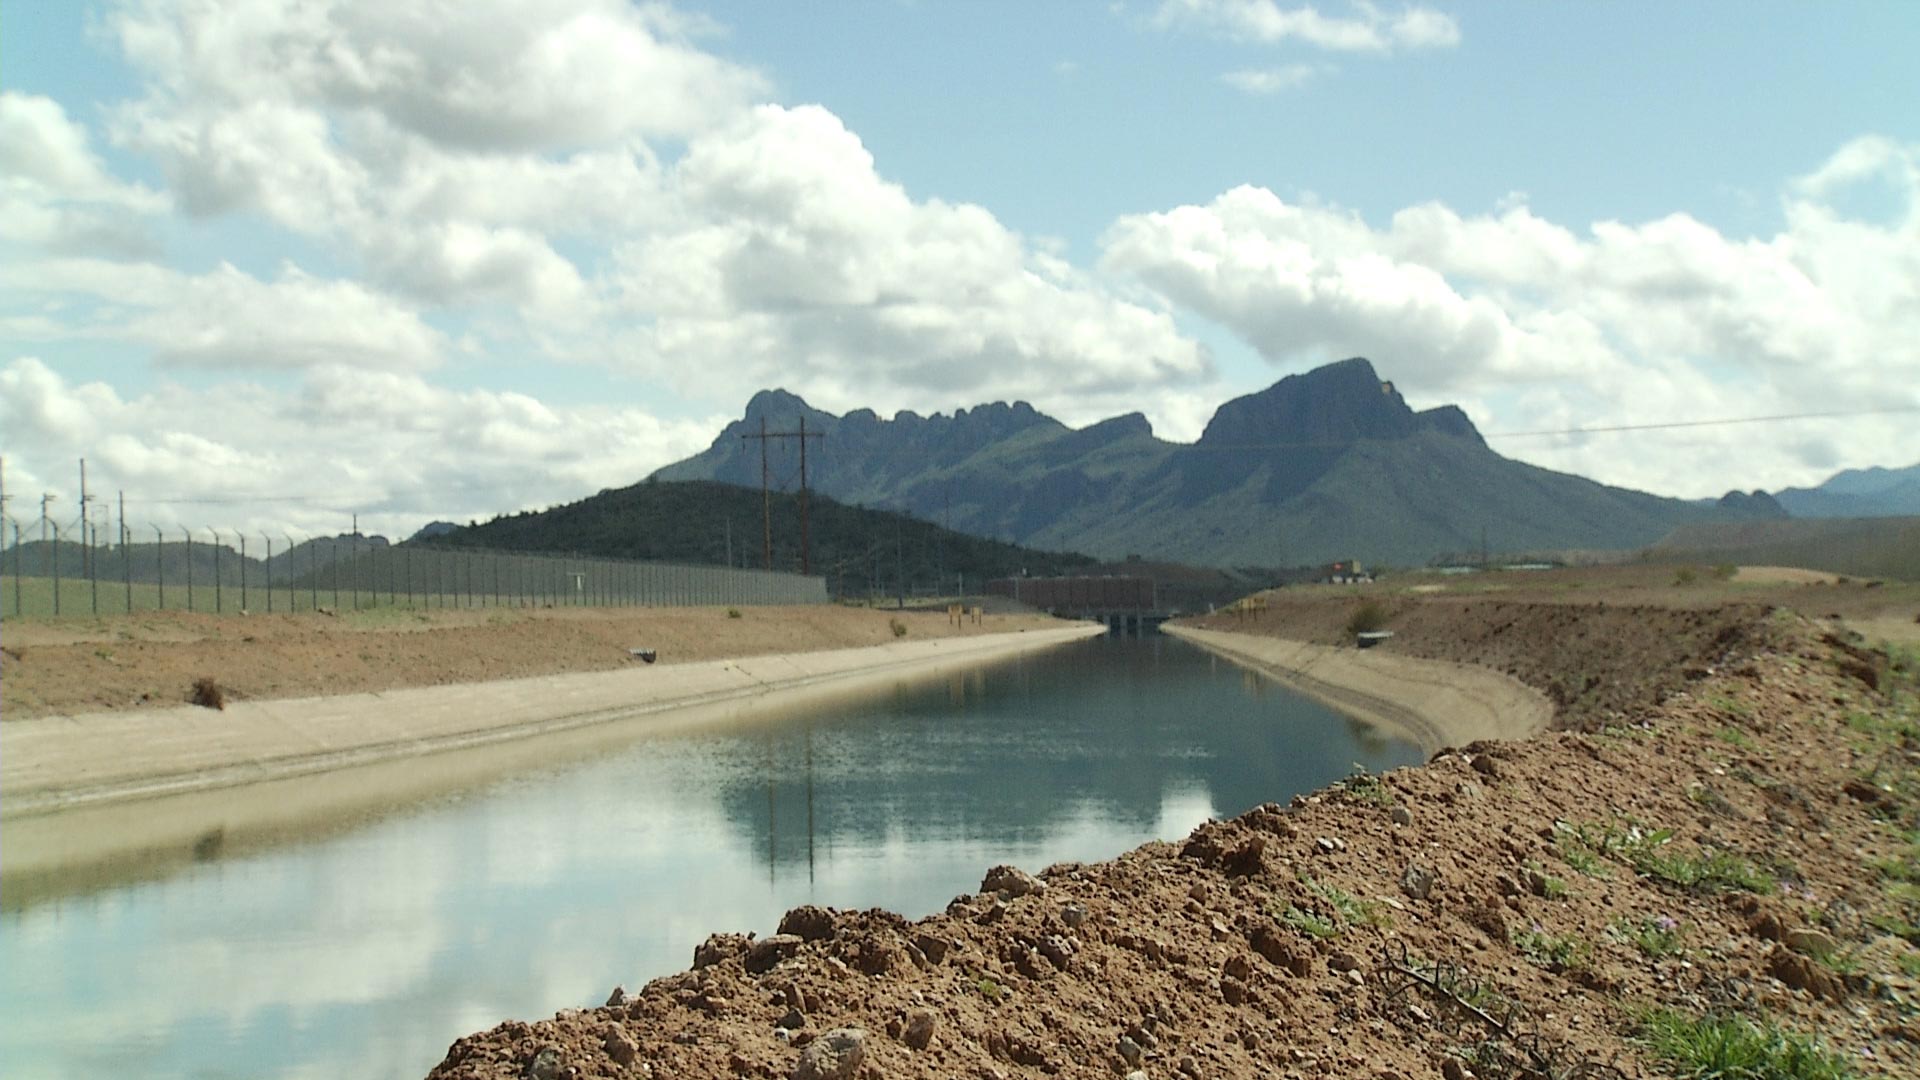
x=151, y=659
x=1734, y=836
x=1596, y=662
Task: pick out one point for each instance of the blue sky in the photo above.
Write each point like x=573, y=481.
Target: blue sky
x=421, y=265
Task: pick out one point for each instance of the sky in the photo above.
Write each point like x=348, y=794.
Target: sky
x=271, y=263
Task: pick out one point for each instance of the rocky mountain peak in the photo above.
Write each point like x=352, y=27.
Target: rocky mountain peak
x=1337, y=403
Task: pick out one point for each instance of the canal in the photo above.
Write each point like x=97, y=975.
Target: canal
x=365, y=951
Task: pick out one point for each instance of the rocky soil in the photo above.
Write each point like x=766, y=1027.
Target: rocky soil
x=1734, y=830
x=82, y=664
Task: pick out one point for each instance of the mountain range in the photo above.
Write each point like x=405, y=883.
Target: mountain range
x=1325, y=465
x=1872, y=492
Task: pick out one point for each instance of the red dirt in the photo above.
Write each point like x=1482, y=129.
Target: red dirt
x=1759, y=736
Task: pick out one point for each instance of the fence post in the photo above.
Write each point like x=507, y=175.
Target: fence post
x=217, y=545
x=269, y=568
x=243, y=568
x=189, y=535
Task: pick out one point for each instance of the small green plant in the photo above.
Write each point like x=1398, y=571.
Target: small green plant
x=1684, y=576
x=1311, y=923
x=1655, y=937
x=1735, y=1047
x=1555, y=952
x=1363, y=786
x=1735, y=737
x=1709, y=871
x=899, y=628
x=1582, y=860
x=1348, y=907
x=1725, y=572
x=1909, y=963
x=1550, y=887
x=733, y=613
x=1367, y=618
x=988, y=988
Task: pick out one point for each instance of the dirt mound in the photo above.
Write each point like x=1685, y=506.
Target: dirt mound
x=1508, y=910
x=1597, y=662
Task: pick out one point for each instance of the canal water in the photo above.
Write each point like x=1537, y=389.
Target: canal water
x=365, y=952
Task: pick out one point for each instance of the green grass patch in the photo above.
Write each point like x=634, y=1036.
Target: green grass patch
x=1310, y=923
x=1555, y=952
x=1735, y=1048
x=1733, y=736
x=1648, y=851
x=1363, y=786
x=1655, y=937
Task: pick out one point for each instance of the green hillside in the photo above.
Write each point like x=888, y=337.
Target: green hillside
x=859, y=551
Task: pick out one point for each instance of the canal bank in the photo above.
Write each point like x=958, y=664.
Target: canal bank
x=83, y=789
x=1434, y=703
x=1561, y=878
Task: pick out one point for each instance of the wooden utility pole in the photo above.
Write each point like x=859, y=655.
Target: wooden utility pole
x=766, y=497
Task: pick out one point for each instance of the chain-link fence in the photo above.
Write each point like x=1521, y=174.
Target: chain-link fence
x=224, y=571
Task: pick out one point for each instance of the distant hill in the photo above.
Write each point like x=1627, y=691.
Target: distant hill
x=1872, y=492
x=169, y=562
x=1863, y=547
x=858, y=550
x=1326, y=465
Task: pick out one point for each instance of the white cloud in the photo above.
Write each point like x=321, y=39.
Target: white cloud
x=1546, y=327
x=55, y=193
x=395, y=447
x=795, y=260
x=481, y=74
x=1270, y=80
x=223, y=318
x=1365, y=28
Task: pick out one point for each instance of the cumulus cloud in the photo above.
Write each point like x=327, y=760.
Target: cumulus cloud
x=55, y=193
x=792, y=257
x=768, y=249
x=223, y=318
x=1664, y=320
x=1365, y=27
x=396, y=448
x=482, y=74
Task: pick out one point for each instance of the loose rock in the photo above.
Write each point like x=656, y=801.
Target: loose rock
x=834, y=1056
x=1013, y=882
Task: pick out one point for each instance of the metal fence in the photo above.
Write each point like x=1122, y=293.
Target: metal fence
x=208, y=572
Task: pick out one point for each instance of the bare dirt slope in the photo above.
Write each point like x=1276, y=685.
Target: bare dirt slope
x=73, y=665
x=1736, y=834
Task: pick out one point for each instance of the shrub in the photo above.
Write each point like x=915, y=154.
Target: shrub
x=1366, y=618
x=733, y=613
x=899, y=628
x=1684, y=576
x=207, y=693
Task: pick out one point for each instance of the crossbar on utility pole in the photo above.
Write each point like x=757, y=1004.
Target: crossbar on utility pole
x=766, y=498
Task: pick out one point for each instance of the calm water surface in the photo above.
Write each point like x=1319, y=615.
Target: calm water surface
x=365, y=953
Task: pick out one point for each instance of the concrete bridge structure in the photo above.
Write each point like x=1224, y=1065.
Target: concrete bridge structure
x=1124, y=604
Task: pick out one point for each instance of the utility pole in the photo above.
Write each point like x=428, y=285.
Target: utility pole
x=806, y=542
x=126, y=552
x=86, y=549
x=766, y=498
